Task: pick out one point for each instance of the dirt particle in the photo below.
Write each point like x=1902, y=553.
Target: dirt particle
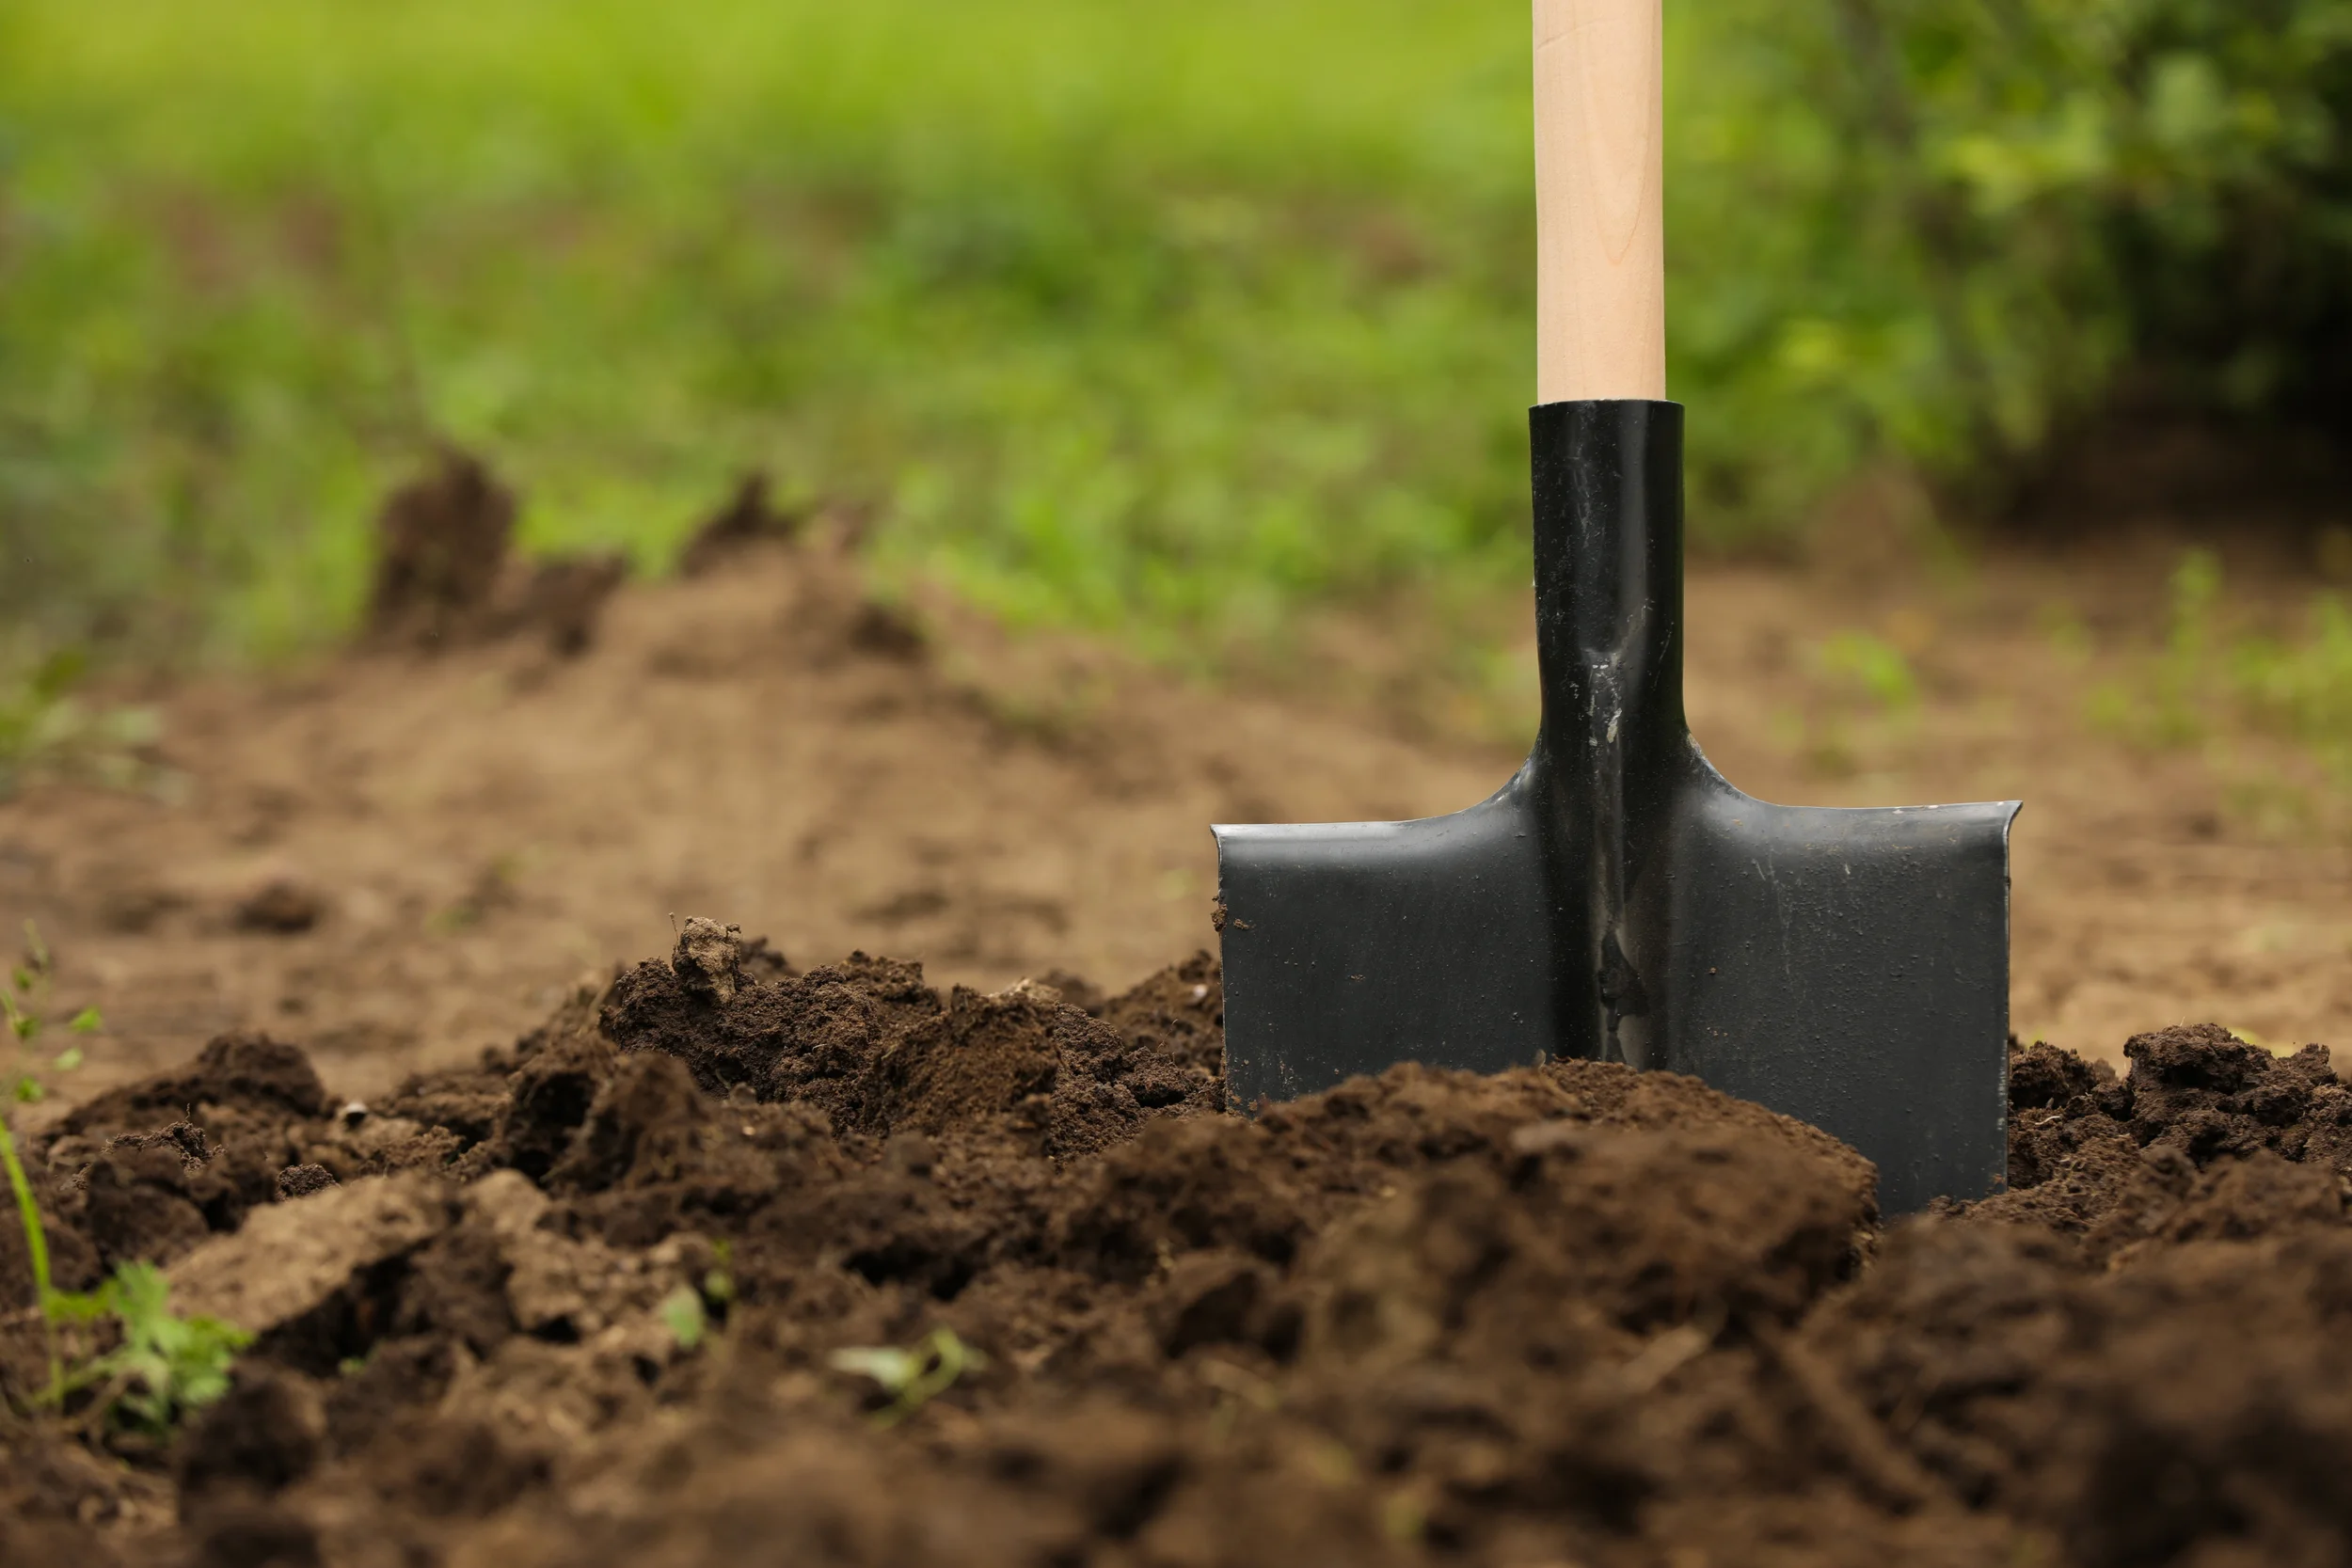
x=564, y=597
x=749, y=518
x=709, y=958
x=886, y=632
x=283, y=906
x=302, y=1180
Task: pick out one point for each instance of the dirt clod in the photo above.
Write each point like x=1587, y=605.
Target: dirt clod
x=750, y=516
x=441, y=543
x=283, y=905
x=444, y=576
x=302, y=1180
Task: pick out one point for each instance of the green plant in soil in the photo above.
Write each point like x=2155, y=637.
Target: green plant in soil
x=162, y=1364
x=22, y=1003
x=2303, y=687
x=687, y=1311
x=912, y=1376
x=44, y=727
x=2210, y=686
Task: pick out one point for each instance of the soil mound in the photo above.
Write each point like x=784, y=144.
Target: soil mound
x=750, y=517
x=729, y=1259
x=2198, y=1140
x=444, y=576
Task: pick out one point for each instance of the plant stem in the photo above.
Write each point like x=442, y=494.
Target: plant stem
x=35, y=1247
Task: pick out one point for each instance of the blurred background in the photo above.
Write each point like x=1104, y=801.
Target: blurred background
x=2016, y=337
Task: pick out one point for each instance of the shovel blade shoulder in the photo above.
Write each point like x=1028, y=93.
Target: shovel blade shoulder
x=1849, y=968
x=1351, y=946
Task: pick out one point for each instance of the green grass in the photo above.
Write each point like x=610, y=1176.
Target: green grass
x=1156, y=317
x=1126, y=315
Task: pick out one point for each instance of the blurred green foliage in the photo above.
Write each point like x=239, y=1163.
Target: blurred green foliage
x=44, y=729
x=2303, y=686
x=1152, y=317
x=2209, y=674
x=1872, y=668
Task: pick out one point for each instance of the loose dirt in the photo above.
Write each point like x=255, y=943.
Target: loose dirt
x=609, y=1295
x=398, y=857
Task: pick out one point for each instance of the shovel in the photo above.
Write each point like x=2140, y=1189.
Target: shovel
x=1618, y=899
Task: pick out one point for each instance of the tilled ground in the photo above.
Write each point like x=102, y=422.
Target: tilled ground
x=397, y=857
x=1570, y=1315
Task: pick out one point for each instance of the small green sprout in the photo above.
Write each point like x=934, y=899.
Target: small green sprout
x=35, y=1249
x=687, y=1310
x=912, y=1377
x=45, y=729
x=23, y=1001
x=166, y=1366
x=687, y=1318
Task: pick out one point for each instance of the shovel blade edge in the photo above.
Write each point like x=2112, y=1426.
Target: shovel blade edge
x=1351, y=946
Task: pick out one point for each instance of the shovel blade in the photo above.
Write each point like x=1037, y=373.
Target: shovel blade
x=1350, y=946
x=1850, y=969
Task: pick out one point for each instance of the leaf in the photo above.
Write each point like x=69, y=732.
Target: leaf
x=26, y=1090
x=87, y=1022
x=167, y=1365
x=890, y=1367
x=67, y=1059
x=914, y=1376
x=79, y=1306
x=682, y=1311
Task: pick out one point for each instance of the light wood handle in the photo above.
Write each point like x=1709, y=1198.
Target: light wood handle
x=1601, y=234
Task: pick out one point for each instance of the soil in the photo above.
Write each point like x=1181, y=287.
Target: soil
x=559, y=1268
x=444, y=574
x=587, y=1301
x=399, y=857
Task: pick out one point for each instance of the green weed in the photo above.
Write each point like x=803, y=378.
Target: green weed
x=164, y=1365
x=2304, y=689
x=1866, y=694
x=687, y=1311
x=23, y=1006
x=2207, y=680
x=44, y=728
x=1872, y=668
x=912, y=1377
x=2171, y=702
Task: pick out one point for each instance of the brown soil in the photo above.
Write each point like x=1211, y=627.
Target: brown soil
x=444, y=574
x=398, y=859
x=1565, y=1315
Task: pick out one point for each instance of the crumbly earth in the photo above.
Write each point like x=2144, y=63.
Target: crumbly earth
x=583, y=1303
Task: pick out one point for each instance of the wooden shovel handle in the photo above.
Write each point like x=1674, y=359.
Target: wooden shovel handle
x=1600, y=250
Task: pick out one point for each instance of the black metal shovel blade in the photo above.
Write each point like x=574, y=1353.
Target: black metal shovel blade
x=1618, y=899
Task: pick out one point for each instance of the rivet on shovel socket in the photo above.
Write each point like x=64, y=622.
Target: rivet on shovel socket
x=1618, y=898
